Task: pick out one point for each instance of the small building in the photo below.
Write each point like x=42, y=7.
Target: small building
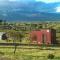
x=43, y=36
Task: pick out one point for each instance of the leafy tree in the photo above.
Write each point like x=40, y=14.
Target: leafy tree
x=15, y=36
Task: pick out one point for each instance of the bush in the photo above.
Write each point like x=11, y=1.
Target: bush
x=50, y=56
x=1, y=53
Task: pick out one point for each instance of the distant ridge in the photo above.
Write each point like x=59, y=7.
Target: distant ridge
x=33, y=11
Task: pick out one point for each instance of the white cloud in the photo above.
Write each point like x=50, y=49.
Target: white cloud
x=58, y=9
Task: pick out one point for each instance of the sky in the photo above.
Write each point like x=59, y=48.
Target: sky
x=46, y=1
x=49, y=1
x=22, y=0
x=42, y=7
x=56, y=8
x=10, y=7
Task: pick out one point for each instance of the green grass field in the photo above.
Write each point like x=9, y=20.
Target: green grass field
x=28, y=54
x=31, y=54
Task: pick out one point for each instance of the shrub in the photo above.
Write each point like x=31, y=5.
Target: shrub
x=50, y=56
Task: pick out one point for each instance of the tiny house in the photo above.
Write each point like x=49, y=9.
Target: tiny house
x=43, y=36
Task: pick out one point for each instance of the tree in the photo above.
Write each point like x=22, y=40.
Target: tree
x=15, y=36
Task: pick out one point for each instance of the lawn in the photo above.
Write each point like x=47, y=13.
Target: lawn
x=28, y=54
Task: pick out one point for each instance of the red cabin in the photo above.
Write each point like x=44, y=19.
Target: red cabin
x=44, y=36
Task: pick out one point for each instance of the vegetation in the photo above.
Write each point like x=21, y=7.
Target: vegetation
x=19, y=33
x=29, y=54
x=50, y=56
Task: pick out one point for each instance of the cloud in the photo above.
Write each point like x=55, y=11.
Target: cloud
x=57, y=9
x=39, y=6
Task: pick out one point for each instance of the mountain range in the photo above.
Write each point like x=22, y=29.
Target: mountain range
x=32, y=11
